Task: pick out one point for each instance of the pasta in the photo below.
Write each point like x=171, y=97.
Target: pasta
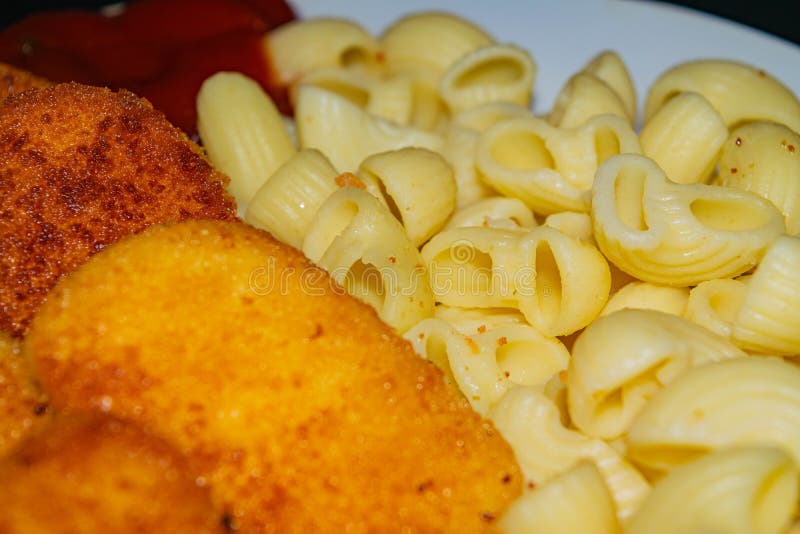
x=764, y=157
x=644, y=295
x=365, y=249
x=748, y=489
x=610, y=68
x=242, y=131
x=583, y=97
x=742, y=401
x=551, y=508
x=675, y=234
x=623, y=359
x=494, y=212
x=740, y=92
x=714, y=304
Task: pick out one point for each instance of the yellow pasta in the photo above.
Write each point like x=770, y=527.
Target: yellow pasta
x=494, y=212
x=242, y=132
x=365, y=249
x=583, y=97
x=647, y=296
x=302, y=46
x=494, y=73
x=548, y=168
x=714, y=304
x=684, y=137
x=481, y=117
x=610, y=68
x=574, y=501
x=470, y=321
x=622, y=360
x=544, y=447
x=429, y=41
x=769, y=317
x=738, y=91
x=416, y=185
x=674, y=234
x=573, y=224
x=743, y=401
x=764, y=157
x=287, y=203
x=738, y=490
x=347, y=134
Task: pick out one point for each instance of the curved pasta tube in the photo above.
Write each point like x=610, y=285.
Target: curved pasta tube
x=347, y=134
x=571, y=223
x=302, y=46
x=544, y=447
x=714, y=304
x=685, y=137
x=764, y=157
x=494, y=212
x=647, y=296
x=583, y=97
x=242, y=132
x=673, y=234
x=610, y=68
x=743, y=401
x=487, y=363
x=287, y=203
x=416, y=185
x=738, y=91
x=365, y=249
x=769, y=317
x=576, y=500
x=471, y=321
x=562, y=282
x=550, y=169
x=493, y=73
x=481, y=117
x=471, y=267
x=737, y=490
x=429, y=41
x=622, y=360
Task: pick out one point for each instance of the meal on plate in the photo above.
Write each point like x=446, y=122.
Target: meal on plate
x=381, y=294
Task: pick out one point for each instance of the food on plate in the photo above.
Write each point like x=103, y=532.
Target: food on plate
x=14, y=81
x=23, y=407
x=299, y=407
x=81, y=167
x=84, y=473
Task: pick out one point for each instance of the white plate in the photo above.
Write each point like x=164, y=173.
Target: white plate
x=563, y=35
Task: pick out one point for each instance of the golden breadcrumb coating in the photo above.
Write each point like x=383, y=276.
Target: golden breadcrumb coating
x=97, y=474
x=304, y=411
x=22, y=406
x=81, y=167
x=14, y=81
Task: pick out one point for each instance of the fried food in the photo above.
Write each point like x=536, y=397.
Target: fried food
x=98, y=474
x=304, y=411
x=22, y=406
x=81, y=167
x=14, y=81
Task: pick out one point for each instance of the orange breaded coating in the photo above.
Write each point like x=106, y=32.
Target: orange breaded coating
x=22, y=406
x=306, y=412
x=97, y=474
x=14, y=81
x=81, y=167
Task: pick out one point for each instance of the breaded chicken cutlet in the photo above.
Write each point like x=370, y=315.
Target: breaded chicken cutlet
x=97, y=474
x=301, y=409
x=14, y=81
x=81, y=167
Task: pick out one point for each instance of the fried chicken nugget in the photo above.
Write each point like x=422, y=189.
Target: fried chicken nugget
x=22, y=406
x=98, y=474
x=305, y=411
x=81, y=167
x=14, y=81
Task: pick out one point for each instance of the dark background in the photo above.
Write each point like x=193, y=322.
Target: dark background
x=780, y=18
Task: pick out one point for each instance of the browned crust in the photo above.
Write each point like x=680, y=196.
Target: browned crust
x=14, y=81
x=81, y=167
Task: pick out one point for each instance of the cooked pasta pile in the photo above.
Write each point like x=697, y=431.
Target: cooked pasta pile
x=624, y=306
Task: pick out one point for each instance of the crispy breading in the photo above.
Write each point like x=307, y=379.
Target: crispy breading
x=14, y=81
x=81, y=167
x=22, y=406
x=305, y=411
x=98, y=474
